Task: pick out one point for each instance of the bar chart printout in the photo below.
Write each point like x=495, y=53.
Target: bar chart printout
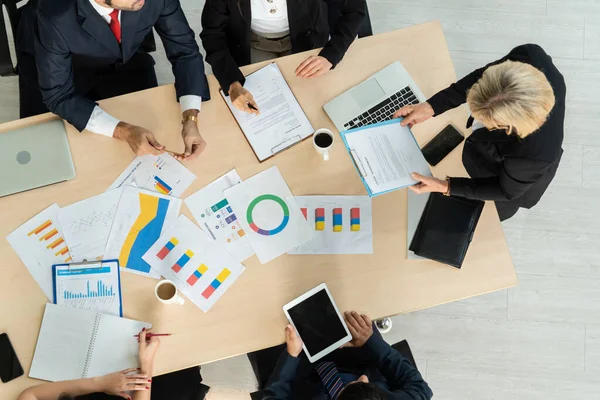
x=90, y=287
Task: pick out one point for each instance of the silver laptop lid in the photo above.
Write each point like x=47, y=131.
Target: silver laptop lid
x=34, y=156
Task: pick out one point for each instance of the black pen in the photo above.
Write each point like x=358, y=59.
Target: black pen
x=251, y=106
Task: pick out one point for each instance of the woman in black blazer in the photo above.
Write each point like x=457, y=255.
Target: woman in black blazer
x=517, y=107
x=235, y=30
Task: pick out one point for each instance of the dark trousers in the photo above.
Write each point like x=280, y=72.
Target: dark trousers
x=263, y=361
x=95, y=85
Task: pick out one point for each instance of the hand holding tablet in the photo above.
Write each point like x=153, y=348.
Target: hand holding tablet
x=319, y=324
x=361, y=328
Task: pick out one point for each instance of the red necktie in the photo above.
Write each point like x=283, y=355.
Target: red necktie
x=115, y=26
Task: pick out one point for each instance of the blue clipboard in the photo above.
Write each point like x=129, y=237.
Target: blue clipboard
x=82, y=265
x=357, y=162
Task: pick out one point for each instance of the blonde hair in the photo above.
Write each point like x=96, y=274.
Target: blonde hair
x=512, y=95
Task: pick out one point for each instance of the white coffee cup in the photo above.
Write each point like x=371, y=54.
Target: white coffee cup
x=166, y=292
x=323, y=140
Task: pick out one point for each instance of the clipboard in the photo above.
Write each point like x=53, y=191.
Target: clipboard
x=285, y=144
x=89, y=285
x=356, y=160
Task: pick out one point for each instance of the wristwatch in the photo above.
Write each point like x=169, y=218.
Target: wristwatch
x=447, y=191
x=190, y=118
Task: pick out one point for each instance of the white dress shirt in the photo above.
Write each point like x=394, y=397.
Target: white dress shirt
x=269, y=17
x=102, y=122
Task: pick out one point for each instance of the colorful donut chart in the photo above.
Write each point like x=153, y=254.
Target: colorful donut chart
x=284, y=222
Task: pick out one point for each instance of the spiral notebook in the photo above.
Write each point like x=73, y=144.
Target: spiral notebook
x=75, y=344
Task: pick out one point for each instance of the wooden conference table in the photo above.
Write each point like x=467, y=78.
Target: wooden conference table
x=249, y=316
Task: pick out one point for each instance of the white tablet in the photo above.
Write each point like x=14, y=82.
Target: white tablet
x=318, y=322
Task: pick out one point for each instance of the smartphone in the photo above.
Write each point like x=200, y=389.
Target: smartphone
x=441, y=145
x=10, y=367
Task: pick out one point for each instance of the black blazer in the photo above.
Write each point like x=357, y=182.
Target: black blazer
x=69, y=35
x=226, y=32
x=393, y=374
x=502, y=167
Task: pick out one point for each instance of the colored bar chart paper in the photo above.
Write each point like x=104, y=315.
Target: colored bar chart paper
x=194, y=263
x=161, y=186
x=347, y=229
x=355, y=219
x=167, y=248
x=337, y=220
x=214, y=285
x=320, y=219
x=182, y=261
x=197, y=274
x=39, y=243
x=159, y=173
x=304, y=212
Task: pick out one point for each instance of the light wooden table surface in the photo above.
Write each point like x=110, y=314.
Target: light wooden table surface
x=249, y=316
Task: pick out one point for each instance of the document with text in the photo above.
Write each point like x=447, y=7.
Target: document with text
x=281, y=122
x=385, y=155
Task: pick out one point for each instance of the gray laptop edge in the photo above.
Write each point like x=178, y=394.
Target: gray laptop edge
x=34, y=156
x=374, y=100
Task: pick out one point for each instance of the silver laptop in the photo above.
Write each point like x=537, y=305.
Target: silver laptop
x=374, y=100
x=34, y=156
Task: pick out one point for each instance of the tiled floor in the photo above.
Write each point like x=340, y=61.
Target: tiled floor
x=541, y=339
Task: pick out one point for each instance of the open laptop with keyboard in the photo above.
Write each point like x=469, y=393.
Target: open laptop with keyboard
x=374, y=100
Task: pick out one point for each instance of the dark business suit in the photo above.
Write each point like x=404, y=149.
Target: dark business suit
x=394, y=375
x=79, y=60
x=226, y=32
x=513, y=172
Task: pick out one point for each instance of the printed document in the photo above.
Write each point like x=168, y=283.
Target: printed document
x=281, y=122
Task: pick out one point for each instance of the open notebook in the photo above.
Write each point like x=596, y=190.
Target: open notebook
x=75, y=344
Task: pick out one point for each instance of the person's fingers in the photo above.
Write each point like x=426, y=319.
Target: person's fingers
x=124, y=395
x=309, y=69
x=251, y=101
x=313, y=71
x=311, y=64
x=348, y=344
x=319, y=72
x=360, y=321
x=142, y=336
x=352, y=320
x=138, y=386
x=137, y=376
x=415, y=189
x=421, y=178
x=351, y=328
x=367, y=319
x=303, y=64
x=129, y=370
x=153, y=142
x=197, y=148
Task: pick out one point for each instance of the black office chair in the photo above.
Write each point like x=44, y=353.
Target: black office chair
x=7, y=67
x=402, y=348
x=334, y=13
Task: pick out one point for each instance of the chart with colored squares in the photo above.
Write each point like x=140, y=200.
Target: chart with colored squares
x=272, y=218
x=342, y=224
x=141, y=218
x=188, y=256
x=40, y=244
x=218, y=218
x=162, y=174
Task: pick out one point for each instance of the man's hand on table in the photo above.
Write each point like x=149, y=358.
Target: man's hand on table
x=293, y=341
x=242, y=99
x=193, y=141
x=360, y=326
x=140, y=140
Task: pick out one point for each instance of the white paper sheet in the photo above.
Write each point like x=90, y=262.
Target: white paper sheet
x=161, y=174
x=281, y=122
x=343, y=240
x=39, y=244
x=386, y=154
x=142, y=216
x=201, y=269
x=87, y=223
x=270, y=215
x=218, y=219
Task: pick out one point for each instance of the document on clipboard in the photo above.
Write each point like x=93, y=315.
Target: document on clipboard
x=281, y=122
x=385, y=154
x=92, y=285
